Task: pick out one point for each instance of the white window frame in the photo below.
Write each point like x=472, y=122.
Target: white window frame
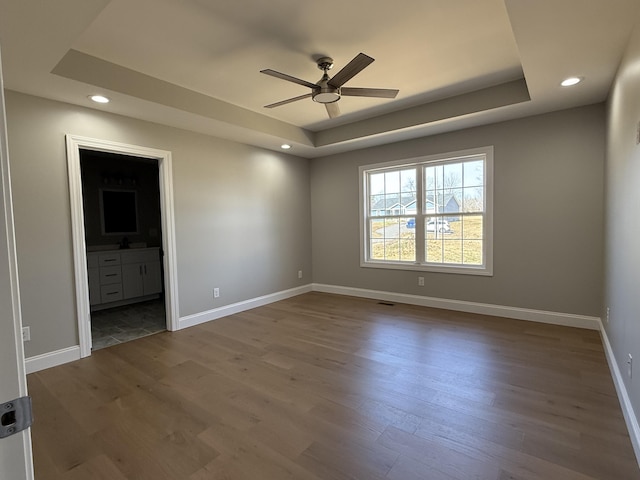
x=420, y=264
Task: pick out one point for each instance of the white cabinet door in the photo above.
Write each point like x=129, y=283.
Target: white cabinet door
x=15, y=451
x=94, y=285
x=132, y=281
x=152, y=278
x=141, y=272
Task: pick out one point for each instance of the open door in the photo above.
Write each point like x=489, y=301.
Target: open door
x=15, y=449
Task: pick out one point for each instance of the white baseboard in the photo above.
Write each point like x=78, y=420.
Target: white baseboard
x=623, y=396
x=52, y=359
x=202, y=317
x=565, y=319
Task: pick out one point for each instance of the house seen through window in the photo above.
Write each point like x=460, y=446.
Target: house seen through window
x=433, y=213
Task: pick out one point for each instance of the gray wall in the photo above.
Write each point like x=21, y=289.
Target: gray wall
x=622, y=253
x=242, y=214
x=548, y=197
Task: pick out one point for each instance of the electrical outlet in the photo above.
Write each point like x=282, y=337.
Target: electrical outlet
x=216, y=292
x=607, y=317
x=421, y=281
x=26, y=334
x=299, y=273
x=630, y=366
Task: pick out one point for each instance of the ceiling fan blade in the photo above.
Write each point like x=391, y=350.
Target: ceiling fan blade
x=284, y=102
x=369, y=92
x=333, y=109
x=288, y=78
x=351, y=69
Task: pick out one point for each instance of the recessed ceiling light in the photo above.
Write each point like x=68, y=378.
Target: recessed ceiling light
x=285, y=146
x=99, y=98
x=569, y=82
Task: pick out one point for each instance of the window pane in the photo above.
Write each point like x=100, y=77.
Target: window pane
x=376, y=205
x=376, y=183
x=472, y=227
x=452, y=251
x=433, y=177
x=408, y=249
x=473, y=199
x=391, y=228
x=473, y=173
x=376, y=251
x=433, y=251
x=452, y=228
x=376, y=228
x=437, y=232
x=452, y=201
x=408, y=242
x=472, y=252
x=438, y=225
x=452, y=175
x=392, y=182
x=430, y=201
x=392, y=204
x=408, y=181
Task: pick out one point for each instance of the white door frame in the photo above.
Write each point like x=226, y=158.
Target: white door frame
x=74, y=145
x=16, y=459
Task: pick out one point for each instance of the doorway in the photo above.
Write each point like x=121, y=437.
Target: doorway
x=101, y=240
x=123, y=237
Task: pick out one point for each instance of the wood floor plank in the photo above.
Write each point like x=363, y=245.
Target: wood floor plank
x=323, y=387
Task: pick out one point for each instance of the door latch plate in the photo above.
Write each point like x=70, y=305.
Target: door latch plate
x=15, y=416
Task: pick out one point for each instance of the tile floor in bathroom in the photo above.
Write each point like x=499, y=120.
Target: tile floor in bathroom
x=122, y=324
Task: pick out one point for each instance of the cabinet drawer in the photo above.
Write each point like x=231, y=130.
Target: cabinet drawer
x=109, y=275
x=106, y=259
x=110, y=293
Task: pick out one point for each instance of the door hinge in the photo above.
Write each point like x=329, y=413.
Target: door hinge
x=15, y=416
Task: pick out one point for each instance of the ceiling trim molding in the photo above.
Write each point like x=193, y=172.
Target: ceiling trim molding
x=509, y=93
x=85, y=68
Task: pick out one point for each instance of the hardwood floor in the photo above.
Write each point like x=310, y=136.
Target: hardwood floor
x=331, y=387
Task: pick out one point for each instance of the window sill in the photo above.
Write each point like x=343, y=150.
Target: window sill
x=417, y=267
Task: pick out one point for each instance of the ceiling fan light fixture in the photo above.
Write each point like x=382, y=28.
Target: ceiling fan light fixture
x=326, y=97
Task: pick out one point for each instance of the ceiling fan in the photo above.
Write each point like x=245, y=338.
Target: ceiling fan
x=329, y=90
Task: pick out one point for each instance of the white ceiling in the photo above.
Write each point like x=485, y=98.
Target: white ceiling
x=195, y=64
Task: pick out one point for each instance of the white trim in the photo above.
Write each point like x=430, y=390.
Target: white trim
x=74, y=145
x=541, y=316
x=52, y=359
x=216, y=313
x=623, y=395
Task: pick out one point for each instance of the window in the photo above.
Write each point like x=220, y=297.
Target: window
x=432, y=213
